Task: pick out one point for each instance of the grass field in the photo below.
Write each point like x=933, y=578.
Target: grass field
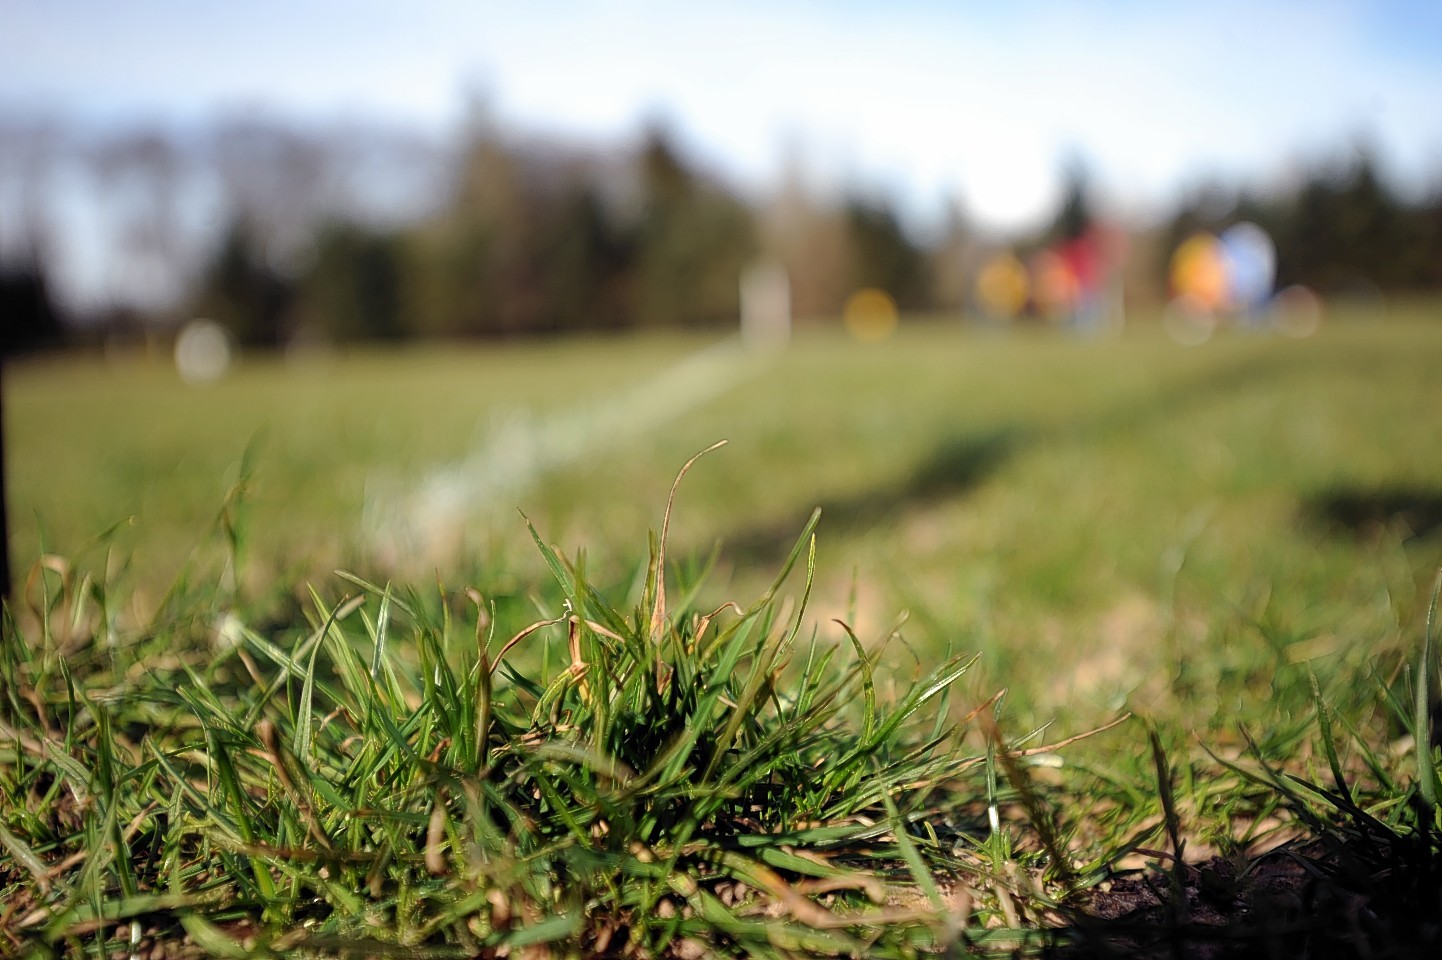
x=1090, y=507
x=1236, y=535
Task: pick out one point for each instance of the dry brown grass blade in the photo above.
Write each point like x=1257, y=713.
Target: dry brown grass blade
x=435, y=838
x=1057, y=745
x=1036, y=810
x=287, y=770
x=521, y=635
x=658, y=609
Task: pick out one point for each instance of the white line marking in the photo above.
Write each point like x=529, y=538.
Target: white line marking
x=426, y=523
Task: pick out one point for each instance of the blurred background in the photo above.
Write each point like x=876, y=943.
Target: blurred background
x=932, y=266
x=324, y=172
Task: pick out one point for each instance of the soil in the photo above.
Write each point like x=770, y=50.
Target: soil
x=1323, y=899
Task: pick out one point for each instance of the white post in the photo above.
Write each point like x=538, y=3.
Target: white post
x=765, y=305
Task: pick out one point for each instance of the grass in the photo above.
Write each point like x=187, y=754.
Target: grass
x=261, y=757
x=386, y=781
x=1106, y=509
x=390, y=778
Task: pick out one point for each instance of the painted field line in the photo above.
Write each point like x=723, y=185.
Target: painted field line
x=426, y=521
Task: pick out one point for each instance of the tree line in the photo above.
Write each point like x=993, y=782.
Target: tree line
x=359, y=234
x=542, y=239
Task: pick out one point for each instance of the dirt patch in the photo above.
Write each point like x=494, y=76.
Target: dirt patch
x=1321, y=899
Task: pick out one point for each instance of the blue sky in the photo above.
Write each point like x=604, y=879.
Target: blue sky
x=978, y=102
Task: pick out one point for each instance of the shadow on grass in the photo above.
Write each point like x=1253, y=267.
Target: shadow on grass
x=1373, y=892
x=960, y=464
x=1366, y=513
x=953, y=469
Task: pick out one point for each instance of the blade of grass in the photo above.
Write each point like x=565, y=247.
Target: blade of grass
x=1329, y=747
x=909, y=853
x=657, y=577
x=1422, y=705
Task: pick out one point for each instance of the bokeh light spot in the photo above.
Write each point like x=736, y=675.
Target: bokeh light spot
x=1055, y=285
x=1251, y=265
x=203, y=352
x=1199, y=271
x=1297, y=311
x=870, y=315
x=1189, y=320
x=1002, y=287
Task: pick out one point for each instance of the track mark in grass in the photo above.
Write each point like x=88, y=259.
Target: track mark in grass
x=954, y=468
x=420, y=523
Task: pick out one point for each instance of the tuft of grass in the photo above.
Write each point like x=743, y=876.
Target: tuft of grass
x=1360, y=873
x=396, y=780
x=427, y=773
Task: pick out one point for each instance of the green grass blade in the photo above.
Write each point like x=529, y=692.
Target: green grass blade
x=1329, y=747
x=909, y=853
x=1423, y=705
x=26, y=858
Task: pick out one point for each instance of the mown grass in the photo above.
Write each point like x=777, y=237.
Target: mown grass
x=1234, y=543
x=656, y=778
x=1112, y=523
x=387, y=781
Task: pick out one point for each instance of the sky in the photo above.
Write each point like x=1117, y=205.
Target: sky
x=977, y=104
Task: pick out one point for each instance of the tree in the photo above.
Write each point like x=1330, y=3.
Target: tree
x=692, y=243
x=243, y=293
x=810, y=240
x=30, y=320
x=587, y=262
x=139, y=177
x=355, y=286
x=882, y=256
x=1345, y=228
x=1077, y=213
